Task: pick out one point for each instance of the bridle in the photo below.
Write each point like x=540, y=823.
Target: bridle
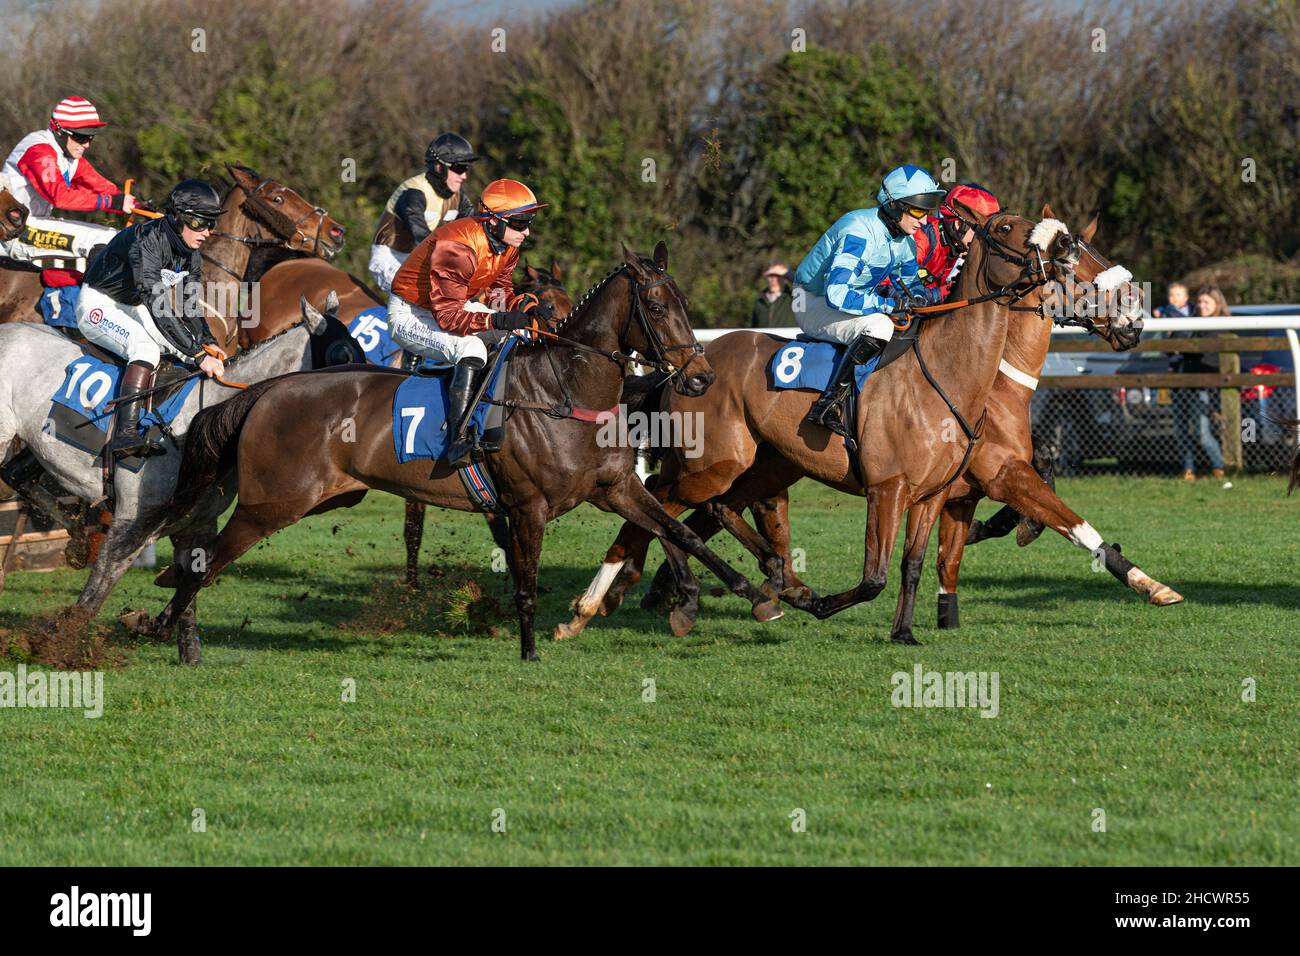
x=300, y=238
x=1033, y=274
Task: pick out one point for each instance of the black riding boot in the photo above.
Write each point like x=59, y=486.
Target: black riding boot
x=826, y=411
x=458, y=393
x=127, y=441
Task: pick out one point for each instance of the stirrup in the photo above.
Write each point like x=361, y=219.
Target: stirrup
x=830, y=417
x=143, y=447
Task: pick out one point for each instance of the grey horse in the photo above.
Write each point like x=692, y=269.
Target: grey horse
x=32, y=363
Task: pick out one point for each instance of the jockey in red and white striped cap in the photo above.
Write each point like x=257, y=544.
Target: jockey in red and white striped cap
x=48, y=171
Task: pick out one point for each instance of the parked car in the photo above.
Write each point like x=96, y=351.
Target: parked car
x=1145, y=432
x=1077, y=424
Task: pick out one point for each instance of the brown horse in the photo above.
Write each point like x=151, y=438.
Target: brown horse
x=1001, y=467
x=257, y=214
x=909, y=447
x=285, y=442
x=545, y=284
x=13, y=216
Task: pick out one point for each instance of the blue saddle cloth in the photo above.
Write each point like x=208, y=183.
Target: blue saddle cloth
x=805, y=363
x=370, y=329
x=59, y=306
x=89, y=384
x=420, y=428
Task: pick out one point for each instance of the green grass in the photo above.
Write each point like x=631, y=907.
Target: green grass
x=1105, y=703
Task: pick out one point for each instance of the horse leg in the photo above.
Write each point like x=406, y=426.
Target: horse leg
x=634, y=503
x=1018, y=485
x=631, y=544
x=246, y=527
x=920, y=522
x=666, y=584
x=886, y=503
x=413, y=531
x=125, y=540
x=526, y=529
x=1008, y=518
x=629, y=572
x=954, y=535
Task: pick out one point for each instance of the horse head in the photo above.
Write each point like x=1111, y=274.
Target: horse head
x=13, y=216
x=299, y=225
x=545, y=284
x=330, y=342
x=1111, y=306
x=662, y=331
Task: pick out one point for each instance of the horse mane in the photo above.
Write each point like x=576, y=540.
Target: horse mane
x=257, y=346
x=589, y=295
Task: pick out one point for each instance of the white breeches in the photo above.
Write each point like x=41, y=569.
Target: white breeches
x=127, y=331
x=384, y=263
x=56, y=239
x=820, y=320
x=416, y=330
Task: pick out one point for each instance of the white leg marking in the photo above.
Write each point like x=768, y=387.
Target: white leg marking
x=1086, y=537
x=595, y=592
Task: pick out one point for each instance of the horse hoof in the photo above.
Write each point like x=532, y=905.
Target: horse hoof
x=1163, y=596
x=564, y=631
x=905, y=637
x=681, y=622
x=766, y=611
x=610, y=604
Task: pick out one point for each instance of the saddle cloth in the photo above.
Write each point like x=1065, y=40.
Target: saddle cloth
x=370, y=329
x=806, y=363
x=420, y=427
x=79, y=415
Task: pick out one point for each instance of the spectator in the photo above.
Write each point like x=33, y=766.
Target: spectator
x=773, y=308
x=1192, y=407
x=1177, y=306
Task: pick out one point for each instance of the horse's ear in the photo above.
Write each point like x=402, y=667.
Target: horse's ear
x=314, y=321
x=529, y=271
x=555, y=270
x=332, y=305
x=244, y=177
x=1047, y=212
x=969, y=214
x=632, y=260
x=661, y=256
x=1089, y=230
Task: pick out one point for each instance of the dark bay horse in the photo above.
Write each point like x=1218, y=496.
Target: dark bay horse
x=909, y=445
x=1001, y=466
x=283, y=443
x=257, y=214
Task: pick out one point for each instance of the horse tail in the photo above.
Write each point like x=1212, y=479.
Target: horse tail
x=644, y=393
x=210, y=444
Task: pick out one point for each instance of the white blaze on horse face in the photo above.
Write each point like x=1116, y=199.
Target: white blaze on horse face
x=595, y=592
x=1086, y=537
x=1046, y=232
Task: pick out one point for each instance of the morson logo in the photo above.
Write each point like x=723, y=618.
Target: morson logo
x=96, y=316
x=103, y=909
x=48, y=239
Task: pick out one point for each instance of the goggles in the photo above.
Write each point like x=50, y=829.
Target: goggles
x=458, y=168
x=198, y=223
x=519, y=223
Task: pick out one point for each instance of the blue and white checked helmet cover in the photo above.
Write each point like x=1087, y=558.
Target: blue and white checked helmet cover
x=907, y=180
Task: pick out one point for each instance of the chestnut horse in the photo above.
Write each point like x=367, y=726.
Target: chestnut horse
x=1002, y=466
x=909, y=451
x=284, y=442
x=257, y=214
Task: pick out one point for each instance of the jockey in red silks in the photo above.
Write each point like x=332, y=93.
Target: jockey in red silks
x=942, y=239
x=48, y=171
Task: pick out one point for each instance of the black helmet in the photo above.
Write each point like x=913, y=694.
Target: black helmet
x=449, y=149
x=194, y=197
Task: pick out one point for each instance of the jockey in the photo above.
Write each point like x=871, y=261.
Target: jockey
x=840, y=276
x=942, y=240
x=431, y=311
x=420, y=205
x=48, y=171
x=125, y=305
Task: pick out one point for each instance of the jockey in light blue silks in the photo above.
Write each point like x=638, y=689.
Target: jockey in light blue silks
x=841, y=275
